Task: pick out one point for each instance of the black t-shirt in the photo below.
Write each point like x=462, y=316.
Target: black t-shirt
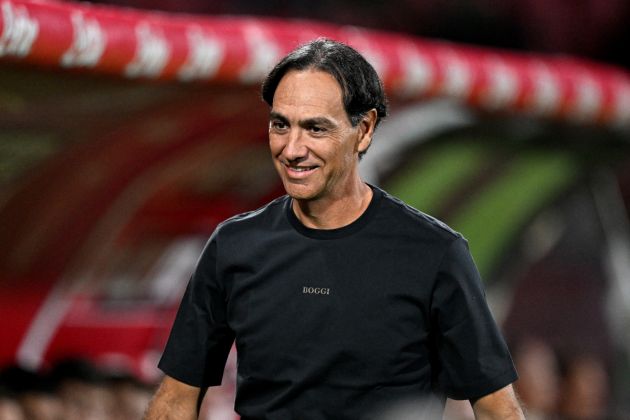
x=337, y=323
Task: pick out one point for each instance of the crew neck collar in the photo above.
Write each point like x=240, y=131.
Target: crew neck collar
x=340, y=232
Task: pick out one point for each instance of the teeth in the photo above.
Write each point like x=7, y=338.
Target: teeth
x=301, y=169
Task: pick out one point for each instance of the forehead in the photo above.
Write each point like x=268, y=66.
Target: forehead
x=308, y=91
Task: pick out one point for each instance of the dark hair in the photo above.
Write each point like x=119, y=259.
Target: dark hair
x=361, y=87
x=17, y=380
x=77, y=369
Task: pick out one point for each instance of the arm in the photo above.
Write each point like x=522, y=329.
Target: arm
x=174, y=400
x=501, y=404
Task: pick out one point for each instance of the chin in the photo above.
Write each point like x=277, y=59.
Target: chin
x=300, y=192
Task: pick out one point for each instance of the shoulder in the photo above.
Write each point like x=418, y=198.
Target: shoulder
x=266, y=216
x=416, y=221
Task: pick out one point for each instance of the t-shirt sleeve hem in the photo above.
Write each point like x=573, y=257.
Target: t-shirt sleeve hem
x=478, y=390
x=188, y=379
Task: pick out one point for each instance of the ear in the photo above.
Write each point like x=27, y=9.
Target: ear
x=366, y=130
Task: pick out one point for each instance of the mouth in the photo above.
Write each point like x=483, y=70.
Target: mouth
x=299, y=171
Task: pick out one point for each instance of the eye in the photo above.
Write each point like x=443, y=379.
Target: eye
x=278, y=125
x=316, y=129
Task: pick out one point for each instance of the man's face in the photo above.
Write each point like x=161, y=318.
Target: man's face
x=313, y=144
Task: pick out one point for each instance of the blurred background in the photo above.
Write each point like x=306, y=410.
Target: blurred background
x=111, y=181
x=588, y=28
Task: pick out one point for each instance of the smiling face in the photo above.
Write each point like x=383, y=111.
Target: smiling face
x=314, y=146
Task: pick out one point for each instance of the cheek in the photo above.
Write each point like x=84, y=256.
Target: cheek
x=347, y=151
x=275, y=145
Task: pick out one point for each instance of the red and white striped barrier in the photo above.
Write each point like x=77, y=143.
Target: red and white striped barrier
x=162, y=46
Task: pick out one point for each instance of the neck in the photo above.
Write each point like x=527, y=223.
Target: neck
x=333, y=212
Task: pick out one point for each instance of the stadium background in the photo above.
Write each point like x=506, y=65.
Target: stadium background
x=127, y=135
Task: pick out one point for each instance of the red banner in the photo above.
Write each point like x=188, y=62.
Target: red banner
x=232, y=50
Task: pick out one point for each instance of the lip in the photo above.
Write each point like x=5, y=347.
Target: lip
x=297, y=174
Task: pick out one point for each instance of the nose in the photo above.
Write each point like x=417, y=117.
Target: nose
x=295, y=148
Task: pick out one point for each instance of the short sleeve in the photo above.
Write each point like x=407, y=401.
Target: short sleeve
x=200, y=339
x=472, y=357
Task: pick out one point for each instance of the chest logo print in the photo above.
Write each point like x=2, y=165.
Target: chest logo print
x=315, y=290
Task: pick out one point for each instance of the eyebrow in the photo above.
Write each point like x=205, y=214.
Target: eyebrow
x=309, y=122
x=277, y=116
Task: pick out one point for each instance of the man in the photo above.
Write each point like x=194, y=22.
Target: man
x=343, y=301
